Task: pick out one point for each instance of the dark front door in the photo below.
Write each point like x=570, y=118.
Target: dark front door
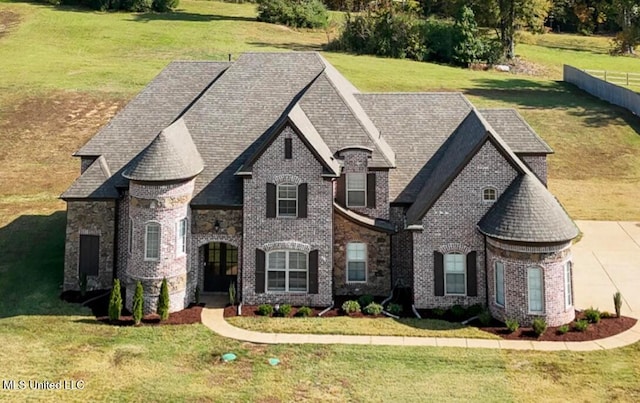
x=220, y=266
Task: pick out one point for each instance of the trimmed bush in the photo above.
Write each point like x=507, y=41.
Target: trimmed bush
x=485, y=317
x=365, y=300
x=592, y=315
x=163, y=301
x=138, y=301
x=351, y=306
x=475, y=310
x=265, y=310
x=296, y=14
x=394, y=309
x=304, y=312
x=284, y=310
x=115, y=302
x=373, y=309
x=232, y=293
x=539, y=326
x=581, y=325
x=438, y=312
x=617, y=302
x=512, y=325
x=162, y=6
x=563, y=329
x=458, y=311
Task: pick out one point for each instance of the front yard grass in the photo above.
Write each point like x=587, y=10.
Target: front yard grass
x=360, y=326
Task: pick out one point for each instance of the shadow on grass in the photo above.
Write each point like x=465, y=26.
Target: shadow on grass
x=300, y=47
x=31, y=268
x=179, y=15
x=534, y=94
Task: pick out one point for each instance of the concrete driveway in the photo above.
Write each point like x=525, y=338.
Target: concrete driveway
x=606, y=260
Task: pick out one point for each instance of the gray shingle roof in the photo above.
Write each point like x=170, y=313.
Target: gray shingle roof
x=93, y=184
x=528, y=212
x=170, y=156
x=515, y=131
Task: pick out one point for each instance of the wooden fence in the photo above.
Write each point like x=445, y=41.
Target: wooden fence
x=616, y=77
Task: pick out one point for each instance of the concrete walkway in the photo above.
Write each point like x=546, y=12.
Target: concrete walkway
x=606, y=260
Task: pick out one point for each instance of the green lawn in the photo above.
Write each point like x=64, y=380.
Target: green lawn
x=360, y=326
x=66, y=71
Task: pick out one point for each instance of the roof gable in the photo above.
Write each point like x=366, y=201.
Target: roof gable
x=93, y=183
x=522, y=139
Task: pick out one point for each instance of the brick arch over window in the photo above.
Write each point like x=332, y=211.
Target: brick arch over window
x=286, y=178
x=286, y=245
x=454, y=247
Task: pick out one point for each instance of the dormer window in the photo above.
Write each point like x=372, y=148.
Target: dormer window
x=489, y=194
x=356, y=190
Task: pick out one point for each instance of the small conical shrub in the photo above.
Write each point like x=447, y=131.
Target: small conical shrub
x=138, y=300
x=163, y=301
x=617, y=302
x=115, y=302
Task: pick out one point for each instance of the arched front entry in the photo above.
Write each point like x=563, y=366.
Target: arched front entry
x=220, y=266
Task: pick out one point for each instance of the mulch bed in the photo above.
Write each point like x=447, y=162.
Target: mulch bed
x=98, y=302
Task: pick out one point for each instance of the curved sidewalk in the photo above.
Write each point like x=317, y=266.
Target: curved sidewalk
x=213, y=318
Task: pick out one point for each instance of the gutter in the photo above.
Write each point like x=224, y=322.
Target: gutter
x=327, y=309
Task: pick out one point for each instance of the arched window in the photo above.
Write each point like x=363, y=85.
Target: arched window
x=489, y=194
x=568, y=295
x=130, y=235
x=287, y=200
x=535, y=288
x=287, y=271
x=181, y=237
x=499, y=278
x=152, y=241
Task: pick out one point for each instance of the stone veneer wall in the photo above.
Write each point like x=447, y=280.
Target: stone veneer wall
x=203, y=232
x=517, y=259
x=401, y=251
x=165, y=203
x=537, y=164
x=312, y=233
x=89, y=218
x=356, y=161
x=378, y=258
x=451, y=226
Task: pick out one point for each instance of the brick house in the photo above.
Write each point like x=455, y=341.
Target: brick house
x=275, y=173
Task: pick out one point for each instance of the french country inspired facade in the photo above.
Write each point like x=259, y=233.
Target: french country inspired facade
x=276, y=174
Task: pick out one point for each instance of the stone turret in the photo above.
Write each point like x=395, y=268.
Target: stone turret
x=161, y=183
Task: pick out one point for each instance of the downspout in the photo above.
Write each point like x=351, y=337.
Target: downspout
x=486, y=274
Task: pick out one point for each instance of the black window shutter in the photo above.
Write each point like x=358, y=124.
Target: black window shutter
x=89, y=254
x=260, y=277
x=302, y=200
x=313, y=272
x=288, y=154
x=371, y=190
x=438, y=270
x=271, y=200
x=472, y=277
x=341, y=190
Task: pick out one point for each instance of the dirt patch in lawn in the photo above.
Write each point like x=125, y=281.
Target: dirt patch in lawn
x=98, y=302
x=9, y=20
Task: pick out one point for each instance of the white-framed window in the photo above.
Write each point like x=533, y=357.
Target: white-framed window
x=287, y=200
x=455, y=274
x=568, y=296
x=181, y=237
x=489, y=194
x=287, y=271
x=130, y=235
x=152, y=241
x=356, y=190
x=356, y=262
x=499, y=279
x=535, y=289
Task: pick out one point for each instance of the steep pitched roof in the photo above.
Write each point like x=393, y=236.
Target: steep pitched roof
x=452, y=157
x=522, y=139
x=528, y=212
x=93, y=184
x=170, y=156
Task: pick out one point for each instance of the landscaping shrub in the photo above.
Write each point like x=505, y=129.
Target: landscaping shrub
x=162, y=6
x=592, y=315
x=115, y=302
x=512, y=325
x=581, y=325
x=475, y=310
x=373, y=309
x=458, y=311
x=304, y=312
x=617, y=302
x=539, y=326
x=265, y=310
x=138, y=301
x=394, y=309
x=232, y=293
x=485, y=317
x=297, y=14
x=365, y=300
x=351, y=306
x=563, y=329
x=284, y=310
x=606, y=314
x=439, y=312
x=163, y=301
